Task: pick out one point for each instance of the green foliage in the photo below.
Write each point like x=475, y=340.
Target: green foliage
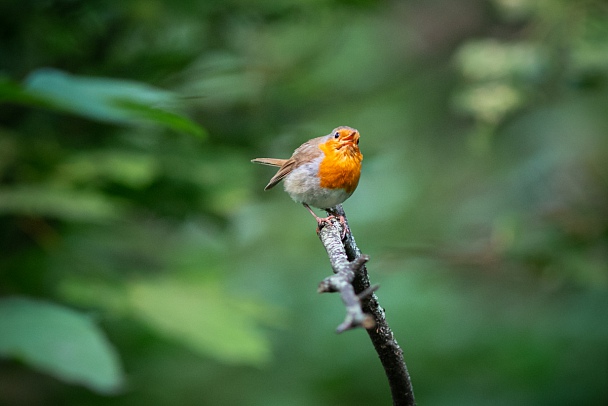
x=57, y=203
x=111, y=100
x=127, y=192
x=214, y=323
x=59, y=341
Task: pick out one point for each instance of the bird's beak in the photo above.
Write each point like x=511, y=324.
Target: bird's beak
x=352, y=137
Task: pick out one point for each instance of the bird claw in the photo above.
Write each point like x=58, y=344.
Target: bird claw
x=345, y=227
x=321, y=221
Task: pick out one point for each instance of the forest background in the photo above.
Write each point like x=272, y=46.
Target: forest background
x=141, y=262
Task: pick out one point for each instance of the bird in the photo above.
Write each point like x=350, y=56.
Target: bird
x=323, y=172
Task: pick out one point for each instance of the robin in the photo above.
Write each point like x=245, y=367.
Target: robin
x=322, y=172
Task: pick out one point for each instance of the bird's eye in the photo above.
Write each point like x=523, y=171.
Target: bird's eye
x=337, y=135
x=357, y=142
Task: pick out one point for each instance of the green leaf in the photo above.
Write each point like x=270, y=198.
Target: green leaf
x=163, y=117
x=60, y=342
x=110, y=100
x=133, y=169
x=203, y=317
x=61, y=203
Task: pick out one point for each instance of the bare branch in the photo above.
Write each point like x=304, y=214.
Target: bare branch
x=351, y=280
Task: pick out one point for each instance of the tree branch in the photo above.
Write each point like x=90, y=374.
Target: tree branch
x=351, y=280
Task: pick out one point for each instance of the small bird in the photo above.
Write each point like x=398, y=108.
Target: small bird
x=322, y=172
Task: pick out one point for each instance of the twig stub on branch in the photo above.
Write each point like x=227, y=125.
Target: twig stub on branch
x=341, y=281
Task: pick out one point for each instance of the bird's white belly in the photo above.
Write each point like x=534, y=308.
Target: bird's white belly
x=303, y=185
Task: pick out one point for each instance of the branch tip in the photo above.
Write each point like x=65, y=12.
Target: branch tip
x=326, y=286
x=358, y=262
x=368, y=322
x=368, y=292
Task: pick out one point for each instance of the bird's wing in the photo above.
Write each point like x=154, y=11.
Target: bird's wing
x=304, y=153
x=283, y=171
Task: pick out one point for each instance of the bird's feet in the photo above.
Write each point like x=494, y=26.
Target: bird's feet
x=342, y=220
x=321, y=221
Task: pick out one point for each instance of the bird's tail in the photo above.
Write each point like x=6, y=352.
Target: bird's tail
x=269, y=161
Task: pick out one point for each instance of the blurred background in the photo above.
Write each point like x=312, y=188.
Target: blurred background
x=143, y=264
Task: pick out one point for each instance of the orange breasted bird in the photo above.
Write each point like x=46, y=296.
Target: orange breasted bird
x=322, y=172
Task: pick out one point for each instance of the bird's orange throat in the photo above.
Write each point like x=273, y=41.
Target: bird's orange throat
x=341, y=167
